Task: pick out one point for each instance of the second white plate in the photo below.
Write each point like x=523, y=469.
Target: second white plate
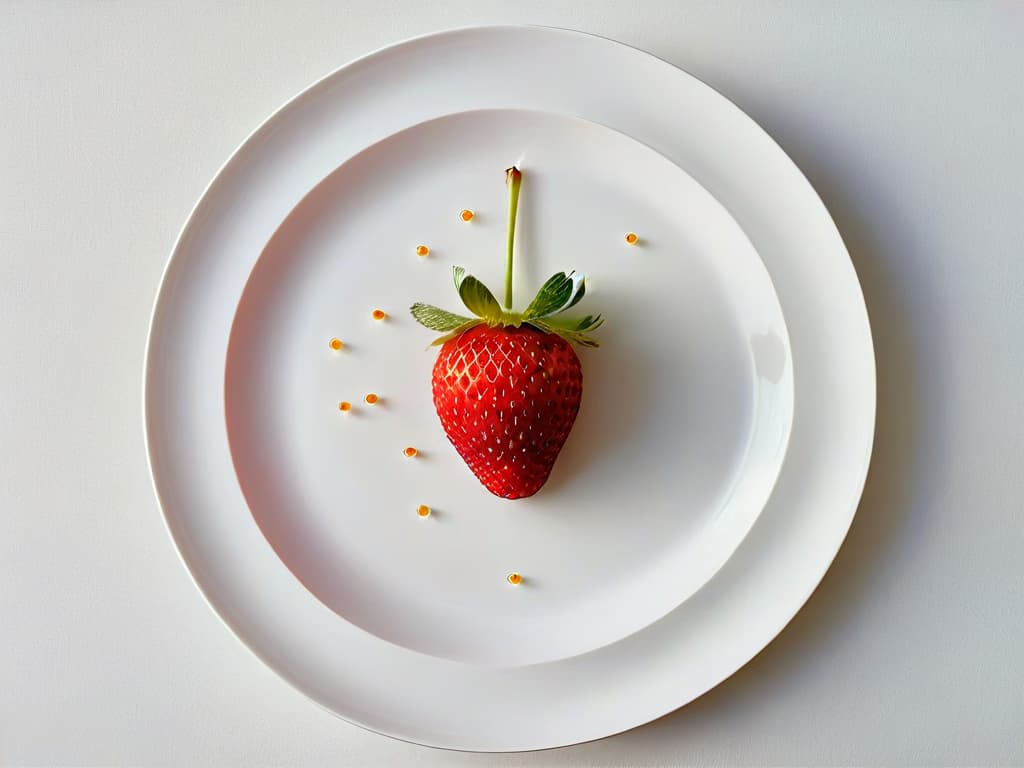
x=686, y=412
x=417, y=696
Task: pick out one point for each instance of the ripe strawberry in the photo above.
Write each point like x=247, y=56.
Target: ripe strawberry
x=507, y=385
x=507, y=398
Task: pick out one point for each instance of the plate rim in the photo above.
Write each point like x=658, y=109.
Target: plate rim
x=192, y=219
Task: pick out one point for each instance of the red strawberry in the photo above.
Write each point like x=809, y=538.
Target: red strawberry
x=507, y=398
x=507, y=386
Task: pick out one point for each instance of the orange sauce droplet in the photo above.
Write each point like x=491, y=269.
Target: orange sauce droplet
x=422, y=250
x=423, y=510
x=410, y=452
x=631, y=238
x=371, y=398
x=336, y=344
x=467, y=215
x=515, y=578
x=344, y=405
x=379, y=314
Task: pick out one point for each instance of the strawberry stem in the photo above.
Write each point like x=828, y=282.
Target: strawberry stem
x=514, y=178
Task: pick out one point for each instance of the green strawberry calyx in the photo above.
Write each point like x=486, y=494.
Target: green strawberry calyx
x=561, y=292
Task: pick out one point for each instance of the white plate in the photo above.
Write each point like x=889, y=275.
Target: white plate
x=686, y=411
x=421, y=697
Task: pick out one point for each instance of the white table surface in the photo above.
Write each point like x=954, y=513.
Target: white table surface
x=908, y=118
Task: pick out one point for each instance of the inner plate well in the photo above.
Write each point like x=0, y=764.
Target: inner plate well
x=686, y=408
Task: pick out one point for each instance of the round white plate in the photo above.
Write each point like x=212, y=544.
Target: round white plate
x=686, y=407
x=422, y=697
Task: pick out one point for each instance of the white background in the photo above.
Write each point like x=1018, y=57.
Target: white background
x=907, y=117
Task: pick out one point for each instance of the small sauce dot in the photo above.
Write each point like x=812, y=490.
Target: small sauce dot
x=422, y=250
x=466, y=215
x=378, y=314
x=423, y=510
x=631, y=238
x=336, y=344
x=410, y=452
x=371, y=398
x=344, y=405
x=515, y=578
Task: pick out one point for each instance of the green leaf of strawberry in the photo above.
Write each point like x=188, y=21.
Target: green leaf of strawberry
x=562, y=291
x=437, y=319
x=588, y=323
x=477, y=297
x=507, y=386
x=574, y=336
